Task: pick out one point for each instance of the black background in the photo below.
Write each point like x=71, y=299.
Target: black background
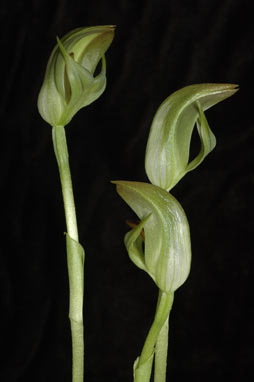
x=159, y=47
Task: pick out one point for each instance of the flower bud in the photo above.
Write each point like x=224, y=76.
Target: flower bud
x=69, y=82
x=167, y=249
x=168, y=147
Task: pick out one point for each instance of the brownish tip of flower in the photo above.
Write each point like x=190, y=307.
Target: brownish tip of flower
x=134, y=224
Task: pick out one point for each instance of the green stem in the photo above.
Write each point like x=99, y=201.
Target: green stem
x=77, y=333
x=62, y=157
x=165, y=301
x=75, y=255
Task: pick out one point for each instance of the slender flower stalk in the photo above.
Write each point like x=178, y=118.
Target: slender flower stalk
x=75, y=255
x=62, y=157
x=143, y=365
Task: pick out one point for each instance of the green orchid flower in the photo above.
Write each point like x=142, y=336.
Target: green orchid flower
x=168, y=147
x=167, y=249
x=69, y=82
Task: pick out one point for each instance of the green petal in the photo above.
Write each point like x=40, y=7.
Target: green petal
x=168, y=147
x=167, y=254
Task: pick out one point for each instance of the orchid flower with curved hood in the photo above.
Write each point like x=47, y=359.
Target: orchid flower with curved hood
x=69, y=83
x=168, y=146
x=167, y=249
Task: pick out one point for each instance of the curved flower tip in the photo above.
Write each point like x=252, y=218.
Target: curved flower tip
x=168, y=147
x=167, y=250
x=69, y=83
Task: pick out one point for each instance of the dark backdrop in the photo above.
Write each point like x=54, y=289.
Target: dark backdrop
x=159, y=47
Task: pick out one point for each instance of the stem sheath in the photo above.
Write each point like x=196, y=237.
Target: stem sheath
x=161, y=352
